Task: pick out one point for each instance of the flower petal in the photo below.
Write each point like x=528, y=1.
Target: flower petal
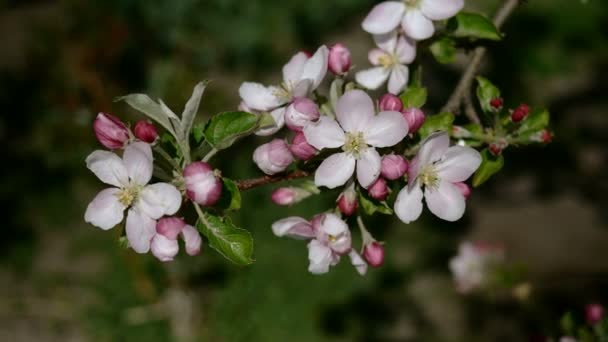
x=445, y=201
x=417, y=26
x=316, y=67
x=458, y=164
x=398, y=79
x=406, y=50
x=368, y=167
x=139, y=162
x=320, y=257
x=384, y=17
x=259, y=97
x=140, y=230
x=354, y=110
x=279, y=119
x=372, y=78
x=386, y=41
x=441, y=9
x=157, y=200
x=325, y=133
x=164, y=249
x=105, y=210
x=433, y=148
x=108, y=167
x=408, y=205
x=335, y=170
x=357, y=261
x=386, y=129
x=292, y=71
x=293, y=227
x=192, y=239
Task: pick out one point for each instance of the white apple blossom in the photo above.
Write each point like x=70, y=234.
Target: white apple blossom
x=301, y=75
x=437, y=167
x=415, y=16
x=130, y=176
x=473, y=266
x=358, y=132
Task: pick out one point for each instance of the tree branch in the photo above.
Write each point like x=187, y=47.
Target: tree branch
x=247, y=184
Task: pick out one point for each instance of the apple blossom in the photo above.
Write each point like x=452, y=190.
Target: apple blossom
x=273, y=157
x=164, y=244
x=378, y=190
x=393, y=166
x=390, y=102
x=300, y=112
x=110, y=131
x=347, y=201
x=373, y=253
x=358, y=132
x=464, y=188
x=339, y=59
x=474, y=264
x=300, y=148
x=145, y=131
x=289, y=195
x=496, y=103
x=520, y=113
x=436, y=167
x=203, y=186
x=594, y=313
x=415, y=118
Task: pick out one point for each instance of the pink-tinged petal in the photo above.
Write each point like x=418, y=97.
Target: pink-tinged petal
x=302, y=88
x=335, y=170
x=105, y=211
x=445, y=201
x=164, y=249
x=108, y=167
x=368, y=167
x=325, y=133
x=386, y=41
x=158, y=200
x=279, y=119
x=170, y=227
x=320, y=257
x=259, y=97
x=372, y=78
x=357, y=261
x=417, y=26
x=354, y=110
x=292, y=71
x=316, y=67
x=140, y=230
x=408, y=205
x=192, y=239
x=139, y=162
x=384, y=17
x=406, y=50
x=386, y=129
x=458, y=164
x=293, y=227
x=441, y=9
x=376, y=56
x=332, y=224
x=433, y=148
x=334, y=232
x=398, y=79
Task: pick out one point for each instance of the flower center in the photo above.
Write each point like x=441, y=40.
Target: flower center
x=129, y=194
x=429, y=177
x=355, y=144
x=412, y=4
x=284, y=92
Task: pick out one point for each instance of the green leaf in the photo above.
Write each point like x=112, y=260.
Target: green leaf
x=198, y=132
x=473, y=25
x=231, y=196
x=235, y=244
x=536, y=121
x=486, y=92
x=489, y=166
x=444, y=50
x=225, y=128
x=434, y=123
x=371, y=206
x=143, y=103
x=191, y=108
x=414, y=97
x=567, y=324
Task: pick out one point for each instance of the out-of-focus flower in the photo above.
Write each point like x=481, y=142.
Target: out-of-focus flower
x=273, y=157
x=145, y=131
x=496, y=103
x=393, y=166
x=110, y=131
x=339, y=60
x=300, y=112
x=164, y=244
x=415, y=118
x=474, y=265
x=300, y=148
x=520, y=113
x=594, y=313
x=203, y=186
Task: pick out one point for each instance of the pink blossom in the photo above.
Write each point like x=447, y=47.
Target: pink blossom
x=594, y=313
x=390, y=102
x=339, y=60
x=203, y=186
x=273, y=157
x=379, y=190
x=110, y=131
x=145, y=131
x=347, y=201
x=287, y=196
x=415, y=118
x=164, y=244
x=300, y=148
x=300, y=112
x=393, y=166
x=373, y=253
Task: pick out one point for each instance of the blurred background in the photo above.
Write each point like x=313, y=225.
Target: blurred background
x=61, y=62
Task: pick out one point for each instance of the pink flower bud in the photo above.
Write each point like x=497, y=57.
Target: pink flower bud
x=415, y=118
x=393, y=166
x=495, y=149
x=465, y=190
x=273, y=157
x=300, y=112
x=284, y=196
x=203, y=186
x=496, y=103
x=390, y=102
x=374, y=254
x=520, y=113
x=546, y=136
x=378, y=190
x=347, y=201
x=192, y=239
x=145, y=131
x=300, y=148
x=339, y=59
x=164, y=249
x=110, y=131
x=594, y=313
x=170, y=227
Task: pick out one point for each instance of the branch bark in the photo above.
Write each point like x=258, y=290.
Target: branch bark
x=247, y=184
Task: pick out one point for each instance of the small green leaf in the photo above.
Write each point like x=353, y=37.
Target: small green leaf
x=536, y=121
x=371, y=206
x=266, y=120
x=473, y=25
x=414, y=97
x=444, y=50
x=144, y=104
x=489, y=166
x=567, y=324
x=225, y=128
x=191, y=108
x=434, y=123
x=231, y=196
x=235, y=244
x=198, y=133
x=486, y=92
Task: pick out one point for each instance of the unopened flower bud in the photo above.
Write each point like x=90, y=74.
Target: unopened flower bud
x=460, y=132
x=110, y=131
x=415, y=118
x=594, y=313
x=300, y=112
x=496, y=103
x=273, y=157
x=393, y=166
x=192, y=239
x=378, y=190
x=464, y=188
x=289, y=195
x=495, y=149
x=545, y=136
x=300, y=148
x=520, y=113
x=203, y=186
x=339, y=59
x=145, y=131
x=347, y=201
x=170, y=227
x=390, y=102
x=374, y=254
x=163, y=248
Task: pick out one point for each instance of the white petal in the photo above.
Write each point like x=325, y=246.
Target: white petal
x=140, y=230
x=302, y=88
x=384, y=18
x=108, y=167
x=335, y=170
x=192, y=239
x=332, y=224
x=386, y=41
x=320, y=257
x=375, y=56
x=445, y=201
x=157, y=200
x=279, y=119
x=408, y=205
x=406, y=50
x=325, y=133
x=357, y=261
x=164, y=249
x=417, y=26
x=316, y=67
x=292, y=71
x=368, y=167
x=139, y=162
x=386, y=129
x=354, y=110
x=458, y=164
x=258, y=97
x=441, y=9
x=293, y=227
x=372, y=78
x=398, y=80
x=433, y=148
x=105, y=211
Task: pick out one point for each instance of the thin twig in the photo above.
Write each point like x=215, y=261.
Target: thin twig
x=247, y=184
x=469, y=109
